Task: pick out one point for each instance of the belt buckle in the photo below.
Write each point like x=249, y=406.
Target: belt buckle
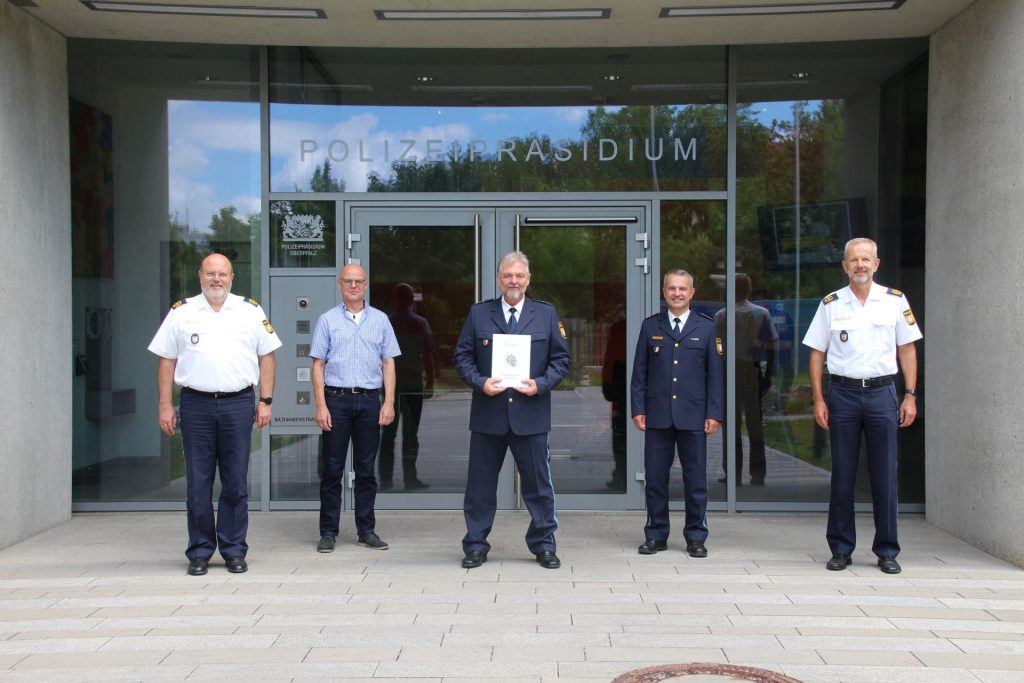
x=865, y=383
x=358, y=390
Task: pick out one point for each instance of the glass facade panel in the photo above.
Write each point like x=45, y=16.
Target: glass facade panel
x=813, y=170
x=166, y=154
x=355, y=121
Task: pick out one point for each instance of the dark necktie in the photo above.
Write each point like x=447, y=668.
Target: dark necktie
x=511, y=319
x=675, y=328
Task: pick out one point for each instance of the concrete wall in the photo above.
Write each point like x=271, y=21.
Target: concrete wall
x=974, y=383
x=35, y=279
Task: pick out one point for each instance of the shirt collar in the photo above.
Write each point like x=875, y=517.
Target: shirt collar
x=683, y=317
x=505, y=306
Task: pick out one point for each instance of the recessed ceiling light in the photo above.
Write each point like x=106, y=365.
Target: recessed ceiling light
x=424, y=79
x=792, y=8
x=205, y=10
x=800, y=75
x=612, y=77
x=207, y=78
x=491, y=14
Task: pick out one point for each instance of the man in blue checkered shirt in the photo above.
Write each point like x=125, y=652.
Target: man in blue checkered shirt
x=353, y=351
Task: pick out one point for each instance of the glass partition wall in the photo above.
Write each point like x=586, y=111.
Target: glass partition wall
x=169, y=163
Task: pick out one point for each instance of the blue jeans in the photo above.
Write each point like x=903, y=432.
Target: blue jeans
x=353, y=417
x=215, y=434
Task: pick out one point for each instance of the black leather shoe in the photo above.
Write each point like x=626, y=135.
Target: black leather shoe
x=473, y=559
x=326, y=544
x=548, y=560
x=198, y=566
x=696, y=549
x=838, y=562
x=650, y=546
x=236, y=565
x=889, y=565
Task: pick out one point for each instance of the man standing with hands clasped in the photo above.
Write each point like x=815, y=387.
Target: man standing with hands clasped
x=516, y=418
x=216, y=345
x=863, y=328
x=676, y=395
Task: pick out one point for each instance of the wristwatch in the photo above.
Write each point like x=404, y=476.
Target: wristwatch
x=266, y=399
x=910, y=392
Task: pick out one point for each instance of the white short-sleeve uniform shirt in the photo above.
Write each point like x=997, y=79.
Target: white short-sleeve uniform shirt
x=861, y=339
x=215, y=350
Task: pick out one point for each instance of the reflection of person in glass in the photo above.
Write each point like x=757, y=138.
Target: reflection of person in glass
x=755, y=343
x=613, y=388
x=863, y=328
x=418, y=358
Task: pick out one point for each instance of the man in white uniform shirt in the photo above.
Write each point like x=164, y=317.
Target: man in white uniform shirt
x=216, y=346
x=863, y=328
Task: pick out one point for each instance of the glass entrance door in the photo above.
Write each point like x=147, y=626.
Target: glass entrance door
x=427, y=266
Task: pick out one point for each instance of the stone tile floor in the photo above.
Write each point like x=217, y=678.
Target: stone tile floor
x=105, y=597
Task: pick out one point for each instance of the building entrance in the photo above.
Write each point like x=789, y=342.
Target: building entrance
x=427, y=263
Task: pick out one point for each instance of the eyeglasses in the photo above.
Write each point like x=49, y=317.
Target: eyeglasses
x=515, y=276
x=353, y=283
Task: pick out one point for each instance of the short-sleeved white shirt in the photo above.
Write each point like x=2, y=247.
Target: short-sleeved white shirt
x=215, y=350
x=861, y=339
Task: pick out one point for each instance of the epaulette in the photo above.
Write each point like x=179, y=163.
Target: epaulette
x=652, y=317
x=546, y=303
x=176, y=304
x=829, y=299
x=705, y=315
x=253, y=302
x=894, y=292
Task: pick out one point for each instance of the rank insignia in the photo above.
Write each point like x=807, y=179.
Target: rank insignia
x=561, y=328
x=657, y=337
x=894, y=292
x=829, y=299
x=177, y=304
x=843, y=336
x=908, y=315
x=718, y=345
x=268, y=326
x=253, y=302
x=195, y=339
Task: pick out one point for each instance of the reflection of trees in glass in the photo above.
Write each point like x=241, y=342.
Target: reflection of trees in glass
x=322, y=180
x=226, y=234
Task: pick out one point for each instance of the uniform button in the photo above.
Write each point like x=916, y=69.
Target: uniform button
x=675, y=379
x=677, y=345
x=509, y=400
x=673, y=397
x=675, y=362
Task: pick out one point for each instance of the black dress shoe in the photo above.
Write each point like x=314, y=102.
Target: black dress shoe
x=198, y=566
x=650, y=546
x=236, y=565
x=548, y=560
x=838, y=562
x=473, y=559
x=889, y=565
x=696, y=549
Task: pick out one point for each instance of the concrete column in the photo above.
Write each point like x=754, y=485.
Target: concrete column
x=974, y=383
x=35, y=278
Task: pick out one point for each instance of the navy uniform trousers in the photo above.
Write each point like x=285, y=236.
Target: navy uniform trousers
x=355, y=417
x=215, y=435
x=660, y=447
x=487, y=453
x=873, y=412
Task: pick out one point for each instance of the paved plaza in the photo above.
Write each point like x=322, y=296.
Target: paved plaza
x=105, y=597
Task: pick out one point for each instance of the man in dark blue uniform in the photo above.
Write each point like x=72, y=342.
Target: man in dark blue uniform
x=677, y=400
x=862, y=329
x=516, y=417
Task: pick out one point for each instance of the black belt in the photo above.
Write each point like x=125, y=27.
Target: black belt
x=863, y=383
x=216, y=394
x=352, y=390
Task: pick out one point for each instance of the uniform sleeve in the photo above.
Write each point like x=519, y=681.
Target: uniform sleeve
x=818, y=334
x=321, y=346
x=267, y=340
x=464, y=358
x=907, y=329
x=558, y=358
x=715, y=388
x=165, y=344
x=638, y=382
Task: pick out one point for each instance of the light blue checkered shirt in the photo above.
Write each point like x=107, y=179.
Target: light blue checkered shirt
x=354, y=352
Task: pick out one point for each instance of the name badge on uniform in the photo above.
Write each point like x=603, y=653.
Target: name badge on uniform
x=657, y=338
x=843, y=336
x=195, y=338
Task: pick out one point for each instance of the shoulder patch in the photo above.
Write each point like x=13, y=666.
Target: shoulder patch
x=176, y=304
x=829, y=299
x=705, y=315
x=561, y=329
x=894, y=292
x=253, y=302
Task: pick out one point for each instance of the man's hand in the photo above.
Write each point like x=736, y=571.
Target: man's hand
x=908, y=410
x=323, y=418
x=492, y=387
x=262, y=414
x=168, y=420
x=640, y=421
x=711, y=426
x=529, y=387
x=821, y=414
x=387, y=414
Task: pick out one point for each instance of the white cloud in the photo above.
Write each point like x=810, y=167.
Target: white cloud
x=185, y=158
x=573, y=115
